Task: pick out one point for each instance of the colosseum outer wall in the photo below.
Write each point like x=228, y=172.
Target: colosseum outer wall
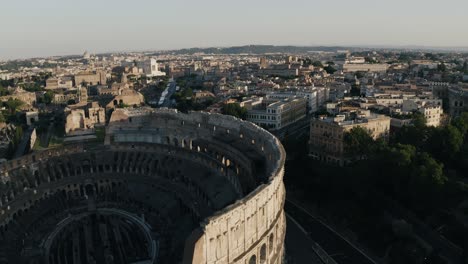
x=251, y=231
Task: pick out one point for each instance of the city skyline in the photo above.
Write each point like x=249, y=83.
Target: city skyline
x=54, y=28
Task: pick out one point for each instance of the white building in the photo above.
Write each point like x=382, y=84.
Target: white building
x=430, y=108
x=150, y=68
x=4, y=76
x=274, y=114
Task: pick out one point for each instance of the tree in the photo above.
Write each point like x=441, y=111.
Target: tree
x=3, y=91
x=360, y=74
x=461, y=122
x=235, y=110
x=441, y=67
x=425, y=182
x=2, y=118
x=419, y=120
x=317, y=64
x=370, y=60
x=13, y=105
x=445, y=143
x=48, y=97
x=355, y=90
x=357, y=142
x=329, y=69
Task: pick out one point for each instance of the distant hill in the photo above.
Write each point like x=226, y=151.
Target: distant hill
x=266, y=49
x=257, y=49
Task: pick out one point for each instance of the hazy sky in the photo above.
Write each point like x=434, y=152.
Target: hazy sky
x=56, y=27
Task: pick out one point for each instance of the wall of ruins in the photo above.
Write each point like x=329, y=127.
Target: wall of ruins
x=249, y=231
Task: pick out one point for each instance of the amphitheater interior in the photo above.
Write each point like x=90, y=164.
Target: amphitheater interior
x=164, y=187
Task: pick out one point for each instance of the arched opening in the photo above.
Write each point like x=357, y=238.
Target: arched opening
x=89, y=190
x=271, y=240
x=263, y=254
x=253, y=260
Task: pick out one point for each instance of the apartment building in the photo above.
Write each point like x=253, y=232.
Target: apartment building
x=458, y=99
x=275, y=114
x=91, y=78
x=365, y=67
x=430, y=108
x=327, y=133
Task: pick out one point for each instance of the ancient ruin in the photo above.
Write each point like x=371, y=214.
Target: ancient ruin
x=165, y=187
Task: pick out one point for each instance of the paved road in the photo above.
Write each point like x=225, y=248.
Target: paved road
x=294, y=129
x=299, y=245
x=171, y=89
x=336, y=246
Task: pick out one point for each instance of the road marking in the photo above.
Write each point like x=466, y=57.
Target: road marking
x=331, y=229
x=297, y=224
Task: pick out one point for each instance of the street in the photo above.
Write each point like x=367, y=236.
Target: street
x=335, y=245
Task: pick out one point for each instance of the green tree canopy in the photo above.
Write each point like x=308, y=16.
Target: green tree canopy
x=357, y=142
x=330, y=69
x=235, y=110
x=13, y=105
x=461, y=122
x=419, y=120
x=445, y=143
x=317, y=64
x=441, y=67
x=48, y=97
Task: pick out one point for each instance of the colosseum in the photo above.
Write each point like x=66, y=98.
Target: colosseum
x=165, y=187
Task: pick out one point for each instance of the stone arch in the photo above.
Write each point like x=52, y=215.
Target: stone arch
x=253, y=259
x=263, y=254
x=271, y=241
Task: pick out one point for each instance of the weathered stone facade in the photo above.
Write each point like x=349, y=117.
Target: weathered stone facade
x=127, y=97
x=210, y=186
x=91, y=78
x=85, y=118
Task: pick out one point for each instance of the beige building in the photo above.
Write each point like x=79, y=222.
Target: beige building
x=284, y=70
x=326, y=134
x=91, y=78
x=127, y=97
x=275, y=114
x=365, y=67
x=52, y=83
x=85, y=119
x=431, y=109
x=20, y=94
